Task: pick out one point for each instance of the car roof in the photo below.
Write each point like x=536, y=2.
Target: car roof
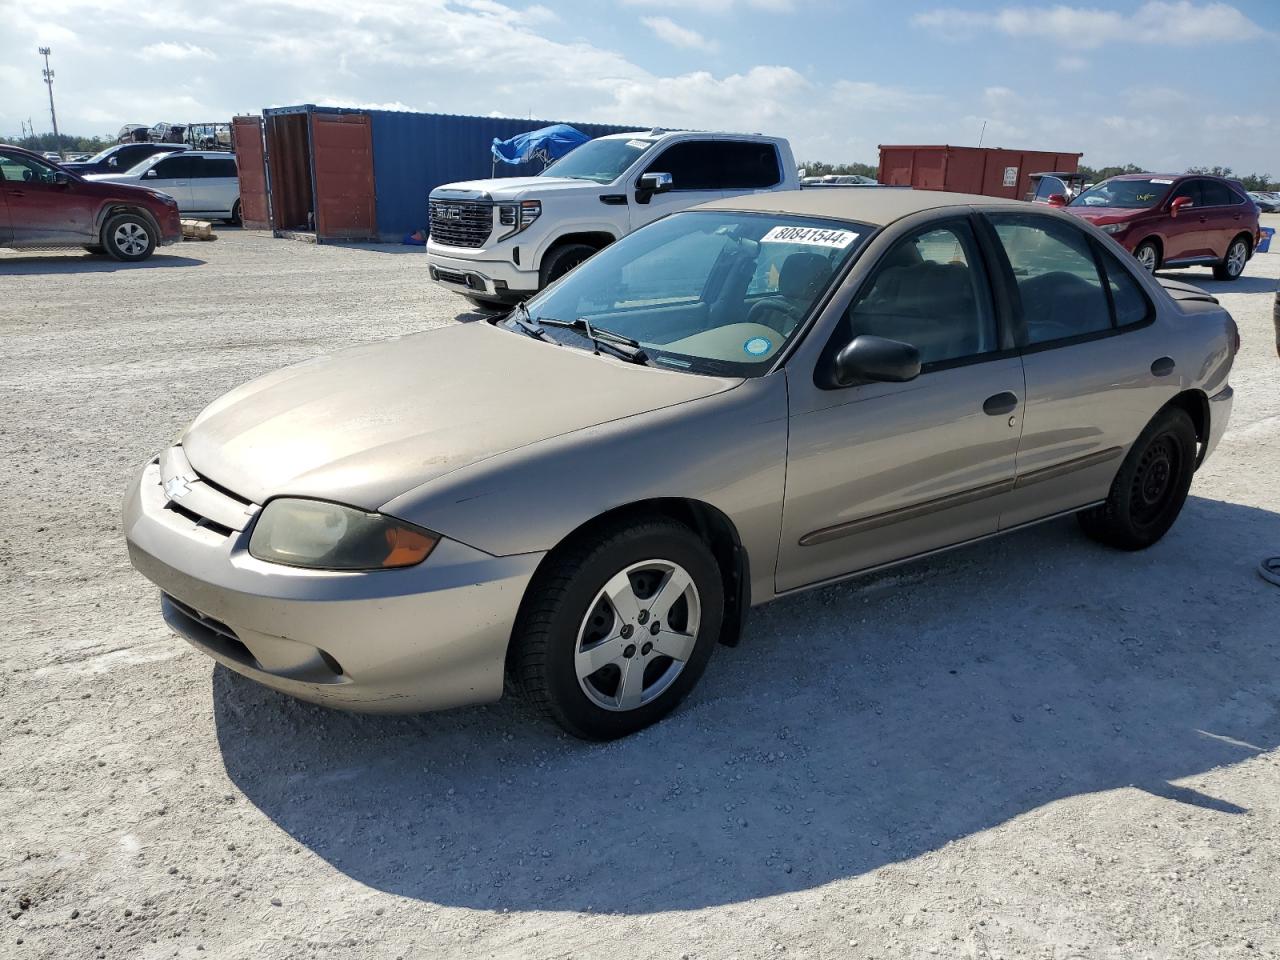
x=878, y=205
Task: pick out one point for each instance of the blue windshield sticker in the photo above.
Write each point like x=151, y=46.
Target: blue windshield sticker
x=758, y=346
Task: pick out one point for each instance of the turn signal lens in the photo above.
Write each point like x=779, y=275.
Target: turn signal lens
x=329, y=536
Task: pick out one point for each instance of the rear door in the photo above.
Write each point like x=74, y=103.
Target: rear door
x=696, y=178
x=251, y=166
x=1096, y=366
x=40, y=209
x=214, y=186
x=171, y=174
x=746, y=166
x=1222, y=215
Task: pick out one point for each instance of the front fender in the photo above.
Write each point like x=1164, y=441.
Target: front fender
x=727, y=450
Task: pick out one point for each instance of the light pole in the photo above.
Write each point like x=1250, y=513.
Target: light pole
x=48, y=79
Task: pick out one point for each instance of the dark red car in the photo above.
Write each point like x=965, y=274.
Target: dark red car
x=1175, y=221
x=42, y=205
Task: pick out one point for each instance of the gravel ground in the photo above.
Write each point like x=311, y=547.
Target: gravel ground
x=1035, y=747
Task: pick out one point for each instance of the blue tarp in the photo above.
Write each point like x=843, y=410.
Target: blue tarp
x=547, y=144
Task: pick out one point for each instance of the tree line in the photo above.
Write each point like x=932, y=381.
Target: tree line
x=1251, y=181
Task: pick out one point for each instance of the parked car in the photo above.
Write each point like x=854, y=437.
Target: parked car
x=43, y=205
x=204, y=182
x=1055, y=189
x=120, y=157
x=168, y=133
x=1267, y=202
x=1175, y=221
x=761, y=395
x=500, y=241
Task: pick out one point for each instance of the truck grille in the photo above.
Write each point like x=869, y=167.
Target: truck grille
x=459, y=223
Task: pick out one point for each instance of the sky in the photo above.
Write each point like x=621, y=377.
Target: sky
x=1165, y=84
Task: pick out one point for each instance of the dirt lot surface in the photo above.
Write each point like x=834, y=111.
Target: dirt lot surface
x=1035, y=747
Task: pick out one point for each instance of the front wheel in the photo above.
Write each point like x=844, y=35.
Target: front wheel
x=1151, y=486
x=563, y=259
x=128, y=237
x=618, y=629
x=1148, y=254
x=1233, y=264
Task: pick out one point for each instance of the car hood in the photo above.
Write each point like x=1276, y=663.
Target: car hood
x=363, y=426
x=1105, y=214
x=517, y=188
x=110, y=178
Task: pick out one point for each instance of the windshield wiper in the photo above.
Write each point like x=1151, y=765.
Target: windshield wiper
x=603, y=339
x=520, y=317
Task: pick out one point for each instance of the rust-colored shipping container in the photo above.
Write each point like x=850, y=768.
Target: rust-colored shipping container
x=989, y=171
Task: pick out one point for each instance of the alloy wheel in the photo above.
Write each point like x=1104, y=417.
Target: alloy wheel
x=1147, y=257
x=637, y=635
x=131, y=239
x=1237, y=256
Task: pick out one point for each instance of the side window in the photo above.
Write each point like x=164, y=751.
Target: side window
x=1057, y=277
x=173, y=168
x=692, y=165
x=1216, y=194
x=929, y=291
x=1189, y=189
x=746, y=166
x=218, y=167
x=1048, y=187
x=21, y=169
x=128, y=157
x=1130, y=303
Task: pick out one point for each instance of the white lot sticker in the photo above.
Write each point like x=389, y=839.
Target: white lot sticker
x=638, y=144
x=810, y=236
x=1161, y=181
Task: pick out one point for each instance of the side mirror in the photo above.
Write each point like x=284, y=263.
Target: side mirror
x=61, y=178
x=151, y=173
x=876, y=359
x=651, y=183
x=1057, y=200
x=113, y=162
x=1179, y=204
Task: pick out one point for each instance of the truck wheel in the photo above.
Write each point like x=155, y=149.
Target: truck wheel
x=563, y=259
x=1232, y=264
x=128, y=237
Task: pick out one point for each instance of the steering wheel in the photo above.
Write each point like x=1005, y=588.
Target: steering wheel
x=27, y=175
x=775, y=313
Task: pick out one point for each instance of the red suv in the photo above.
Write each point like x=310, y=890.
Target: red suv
x=1175, y=221
x=42, y=205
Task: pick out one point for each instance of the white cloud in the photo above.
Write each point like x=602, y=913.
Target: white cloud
x=175, y=51
x=715, y=6
x=668, y=31
x=1157, y=22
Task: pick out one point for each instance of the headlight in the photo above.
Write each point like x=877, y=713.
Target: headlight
x=1114, y=227
x=329, y=536
x=518, y=216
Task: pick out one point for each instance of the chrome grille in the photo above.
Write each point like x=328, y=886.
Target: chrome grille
x=461, y=223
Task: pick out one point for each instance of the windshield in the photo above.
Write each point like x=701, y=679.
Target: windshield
x=705, y=291
x=1127, y=194
x=101, y=155
x=603, y=161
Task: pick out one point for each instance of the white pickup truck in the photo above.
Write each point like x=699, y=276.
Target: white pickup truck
x=499, y=241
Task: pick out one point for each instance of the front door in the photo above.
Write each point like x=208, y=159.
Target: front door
x=877, y=472
x=1184, y=233
x=45, y=205
x=1096, y=368
x=695, y=175
x=6, y=232
x=171, y=174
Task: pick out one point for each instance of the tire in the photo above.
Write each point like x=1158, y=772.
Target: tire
x=1151, y=486
x=573, y=651
x=96, y=249
x=234, y=219
x=561, y=260
x=1147, y=253
x=129, y=237
x=1233, y=263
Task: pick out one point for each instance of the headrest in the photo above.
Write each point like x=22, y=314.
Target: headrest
x=803, y=274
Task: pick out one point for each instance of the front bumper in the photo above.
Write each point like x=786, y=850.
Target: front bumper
x=422, y=638
x=491, y=279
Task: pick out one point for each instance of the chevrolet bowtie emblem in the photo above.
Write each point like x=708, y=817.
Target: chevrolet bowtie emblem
x=177, y=487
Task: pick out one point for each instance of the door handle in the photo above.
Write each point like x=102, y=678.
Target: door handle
x=16, y=193
x=1000, y=404
x=1162, y=367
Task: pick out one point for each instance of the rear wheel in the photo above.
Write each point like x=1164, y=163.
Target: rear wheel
x=1148, y=254
x=1233, y=263
x=128, y=237
x=618, y=629
x=1151, y=486
x=234, y=219
x=563, y=259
